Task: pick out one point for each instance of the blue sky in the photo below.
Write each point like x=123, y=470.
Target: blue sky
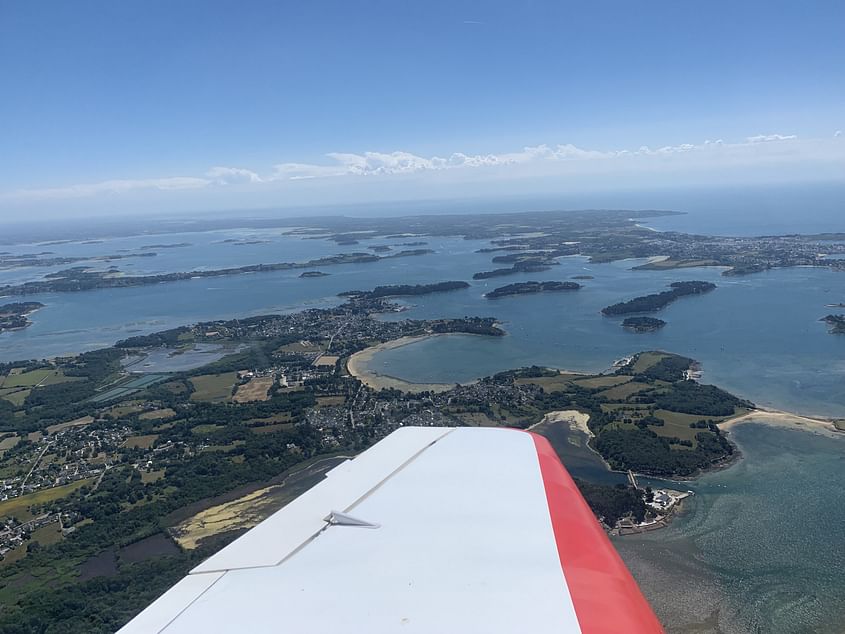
x=109, y=107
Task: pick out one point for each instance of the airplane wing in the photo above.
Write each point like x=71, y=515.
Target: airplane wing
x=432, y=530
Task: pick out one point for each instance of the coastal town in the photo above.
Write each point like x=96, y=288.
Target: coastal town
x=299, y=386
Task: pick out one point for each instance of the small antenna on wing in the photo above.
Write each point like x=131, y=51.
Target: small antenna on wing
x=336, y=518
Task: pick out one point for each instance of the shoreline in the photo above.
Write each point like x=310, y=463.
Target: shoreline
x=577, y=421
x=780, y=418
x=356, y=365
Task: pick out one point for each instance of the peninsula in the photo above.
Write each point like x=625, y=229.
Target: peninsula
x=15, y=316
x=525, y=288
x=656, y=301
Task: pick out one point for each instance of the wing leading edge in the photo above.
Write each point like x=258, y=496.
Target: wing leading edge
x=435, y=530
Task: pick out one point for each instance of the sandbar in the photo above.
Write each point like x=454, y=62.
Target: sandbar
x=780, y=418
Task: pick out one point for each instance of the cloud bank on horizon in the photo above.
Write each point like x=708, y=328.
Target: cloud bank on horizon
x=769, y=157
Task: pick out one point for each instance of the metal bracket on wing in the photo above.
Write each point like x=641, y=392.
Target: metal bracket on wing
x=336, y=518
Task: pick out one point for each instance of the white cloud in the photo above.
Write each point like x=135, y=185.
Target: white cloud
x=531, y=161
x=232, y=176
x=302, y=171
x=837, y=134
x=765, y=138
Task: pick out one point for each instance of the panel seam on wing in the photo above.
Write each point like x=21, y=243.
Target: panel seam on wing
x=348, y=508
x=194, y=600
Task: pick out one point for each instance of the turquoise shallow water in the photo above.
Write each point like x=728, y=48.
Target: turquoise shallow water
x=761, y=547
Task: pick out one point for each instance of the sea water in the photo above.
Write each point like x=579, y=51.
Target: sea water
x=760, y=547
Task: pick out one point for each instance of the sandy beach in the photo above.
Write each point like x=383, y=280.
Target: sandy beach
x=356, y=365
x=780, y=418
x=577, y=420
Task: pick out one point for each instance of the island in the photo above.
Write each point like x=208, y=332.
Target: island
x=44, y=259
x=486, y=326
x=14, y=316
x=241, y=242
x=172, y=245
x=399, y=290
x=81, y=278
x=525, y=288
x=583, y=277
x=656, y=301
x=836, y=323
x=643, y=324
x=313, y=274
x=526, y=266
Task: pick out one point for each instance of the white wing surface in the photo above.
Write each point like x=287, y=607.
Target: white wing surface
x=432, y=530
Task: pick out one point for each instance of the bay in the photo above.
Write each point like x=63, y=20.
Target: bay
x=758, y=336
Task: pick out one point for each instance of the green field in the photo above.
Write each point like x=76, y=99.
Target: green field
x=602, y=381
x=215, y=388
x=281, y=417
x=270, y=429
x=119, y=411
x=558, y=383
x=141, y=442
x=157, y=414
x=300, y=348
x=15, y=395
x=49, y=534
x=678, y=424
x=14, y=555
x=79, y=422
x=19, y=507
x=45, y=376
x=645, y=360
x=623, y=391
x=8, y=442
x=152, y=476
